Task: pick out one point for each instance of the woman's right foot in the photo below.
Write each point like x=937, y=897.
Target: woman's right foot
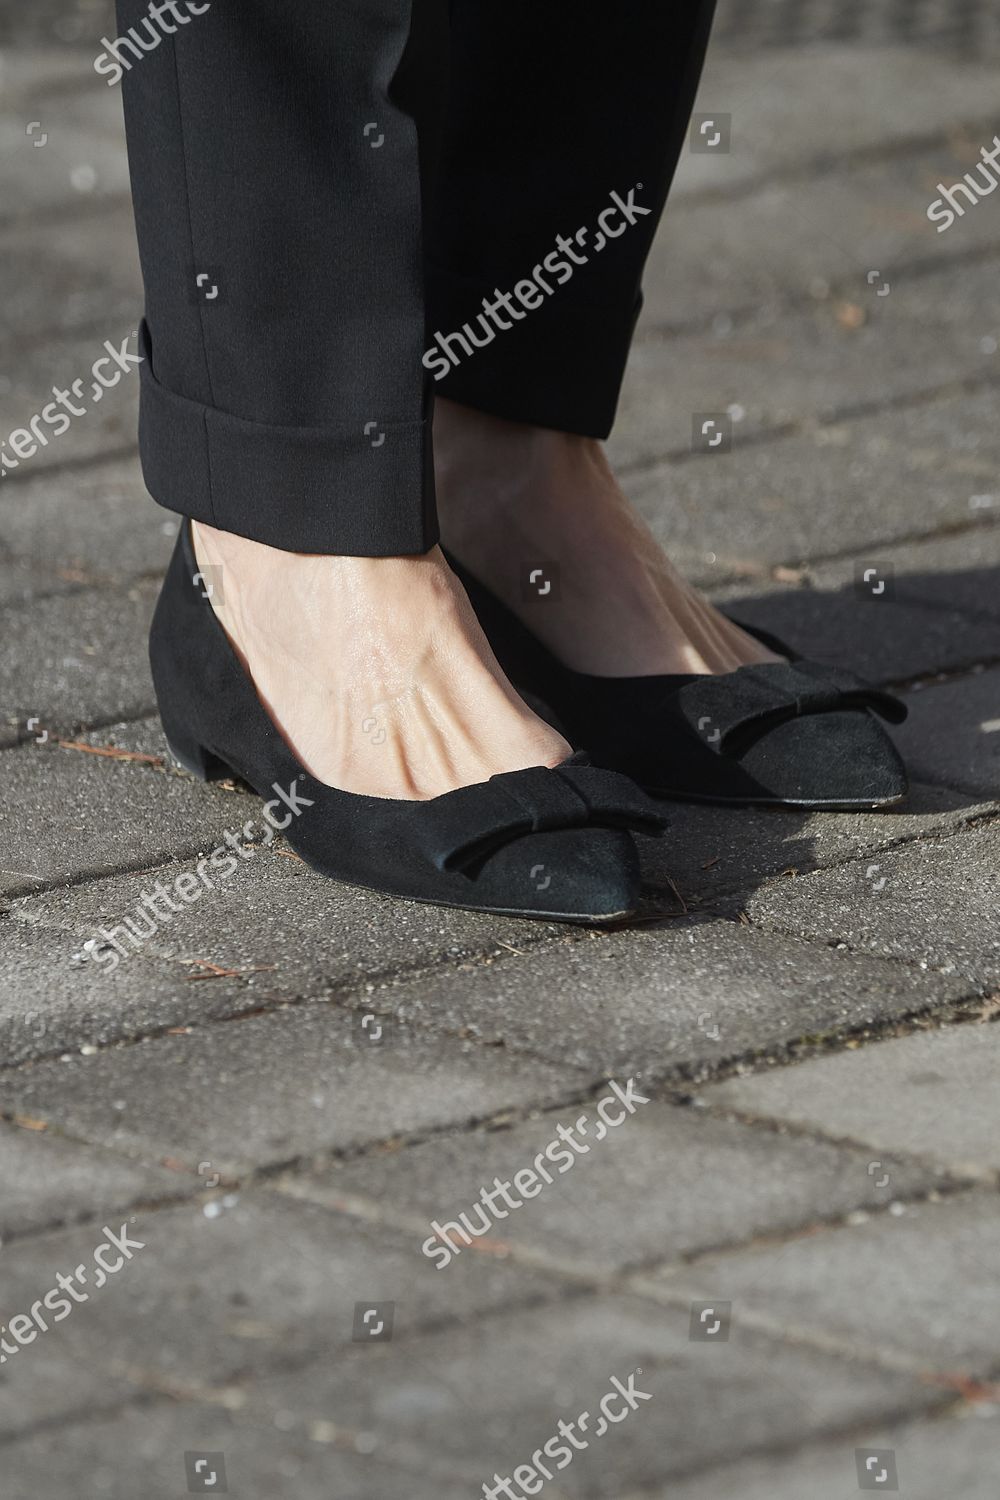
x=375, y=670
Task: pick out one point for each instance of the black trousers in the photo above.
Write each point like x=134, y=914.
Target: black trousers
x=346, y=206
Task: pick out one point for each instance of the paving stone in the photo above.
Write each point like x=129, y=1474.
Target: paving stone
x=958, y=1456
x=486, y=1399
x=793, y=367
x=930, y=1095
x=90, y=526
x=32, y=71
x=953, y=733
x=84, y=278
x=306, y=935
x=888, y=643
x=279, y=929
x=48, y=1181
x=141, y=1451
x=263, y=1282
x=145, y=736
x=712, y=850
x=937, y=909
x=918, y=1284
x=951, y=572
x=793, y=108
x=645, y=1001
x=82, y=160
x=50, y=1388
x=275, y=1087
x=75, y=660
x=56, y=21
x=74, y=814
x=809, y=237
x=972, y=31
x=664, y=1183
x=848, y=487
x=101, y=425
x=57, y=1000
x=20, y=581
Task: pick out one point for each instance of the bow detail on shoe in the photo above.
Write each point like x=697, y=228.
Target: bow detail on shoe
x=732, y=711
x=473, y=822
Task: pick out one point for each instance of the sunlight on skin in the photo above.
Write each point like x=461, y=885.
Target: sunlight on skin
x=374, y=669
x=509, y=494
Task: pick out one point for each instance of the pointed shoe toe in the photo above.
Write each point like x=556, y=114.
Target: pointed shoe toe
x=793, y=732
x=832, y=760
x=591, y=875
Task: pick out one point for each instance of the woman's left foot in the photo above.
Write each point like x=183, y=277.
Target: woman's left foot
x=512, y=495
x=628, y=659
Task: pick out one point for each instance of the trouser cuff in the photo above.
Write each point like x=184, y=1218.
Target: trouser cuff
x=368, y=493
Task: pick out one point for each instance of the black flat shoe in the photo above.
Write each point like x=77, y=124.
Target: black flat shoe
x=535, y=843
x=787, y=734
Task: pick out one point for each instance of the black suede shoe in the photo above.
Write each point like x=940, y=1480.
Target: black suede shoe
x=788, y=734
x=542, y=843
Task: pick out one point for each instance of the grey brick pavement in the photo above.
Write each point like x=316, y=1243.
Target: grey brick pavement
x=912, y=1094
x=292, y=1080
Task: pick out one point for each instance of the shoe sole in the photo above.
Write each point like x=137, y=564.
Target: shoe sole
x=818, y=805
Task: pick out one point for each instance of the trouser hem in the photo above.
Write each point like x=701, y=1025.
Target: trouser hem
x=303, y=489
